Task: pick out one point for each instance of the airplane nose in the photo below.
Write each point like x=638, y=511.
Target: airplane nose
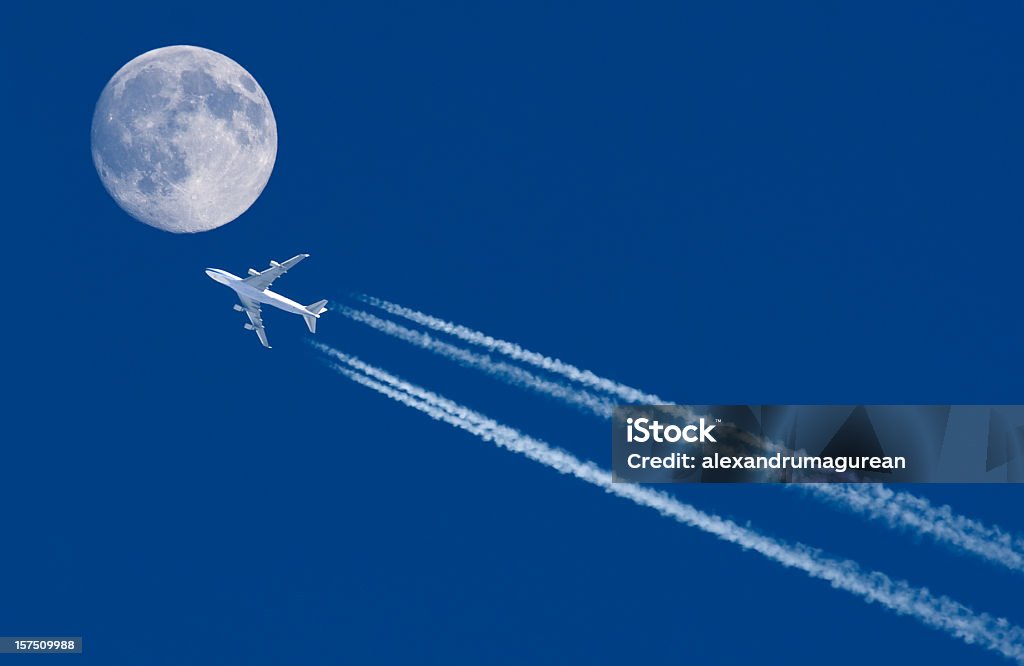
x=210, y=273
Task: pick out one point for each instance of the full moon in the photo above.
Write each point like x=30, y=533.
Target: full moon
x=184, y=139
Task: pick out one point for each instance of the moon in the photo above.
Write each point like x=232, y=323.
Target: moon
x=184, y=139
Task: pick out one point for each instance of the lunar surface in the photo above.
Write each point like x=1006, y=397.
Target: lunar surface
x=184, y=139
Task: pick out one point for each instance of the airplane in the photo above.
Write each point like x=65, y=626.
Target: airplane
x=254, y=290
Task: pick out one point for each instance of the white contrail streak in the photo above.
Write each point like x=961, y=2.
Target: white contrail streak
x=938, y=612
x=515, y=352
x=510, y=373
x=899, y=510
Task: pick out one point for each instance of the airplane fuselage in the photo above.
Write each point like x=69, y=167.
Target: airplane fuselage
x=265, y=296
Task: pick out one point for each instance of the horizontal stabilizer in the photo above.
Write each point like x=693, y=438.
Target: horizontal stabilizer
x=310, y=322
x=318, y=307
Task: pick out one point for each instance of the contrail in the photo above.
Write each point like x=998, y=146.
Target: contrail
x=899, y=510
x=515, y=352
x=507, y=372
x=938, y=612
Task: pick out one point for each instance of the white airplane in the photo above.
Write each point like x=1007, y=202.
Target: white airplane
x=254, y=290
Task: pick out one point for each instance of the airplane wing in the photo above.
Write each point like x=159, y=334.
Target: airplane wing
x=263, y=279
x=252, y=309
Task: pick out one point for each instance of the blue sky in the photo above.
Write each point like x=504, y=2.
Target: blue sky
x=716, y=202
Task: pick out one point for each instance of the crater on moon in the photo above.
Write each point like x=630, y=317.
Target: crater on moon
x=184, y=139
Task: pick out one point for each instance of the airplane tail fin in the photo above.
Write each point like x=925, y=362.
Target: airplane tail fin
x=315, y=310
